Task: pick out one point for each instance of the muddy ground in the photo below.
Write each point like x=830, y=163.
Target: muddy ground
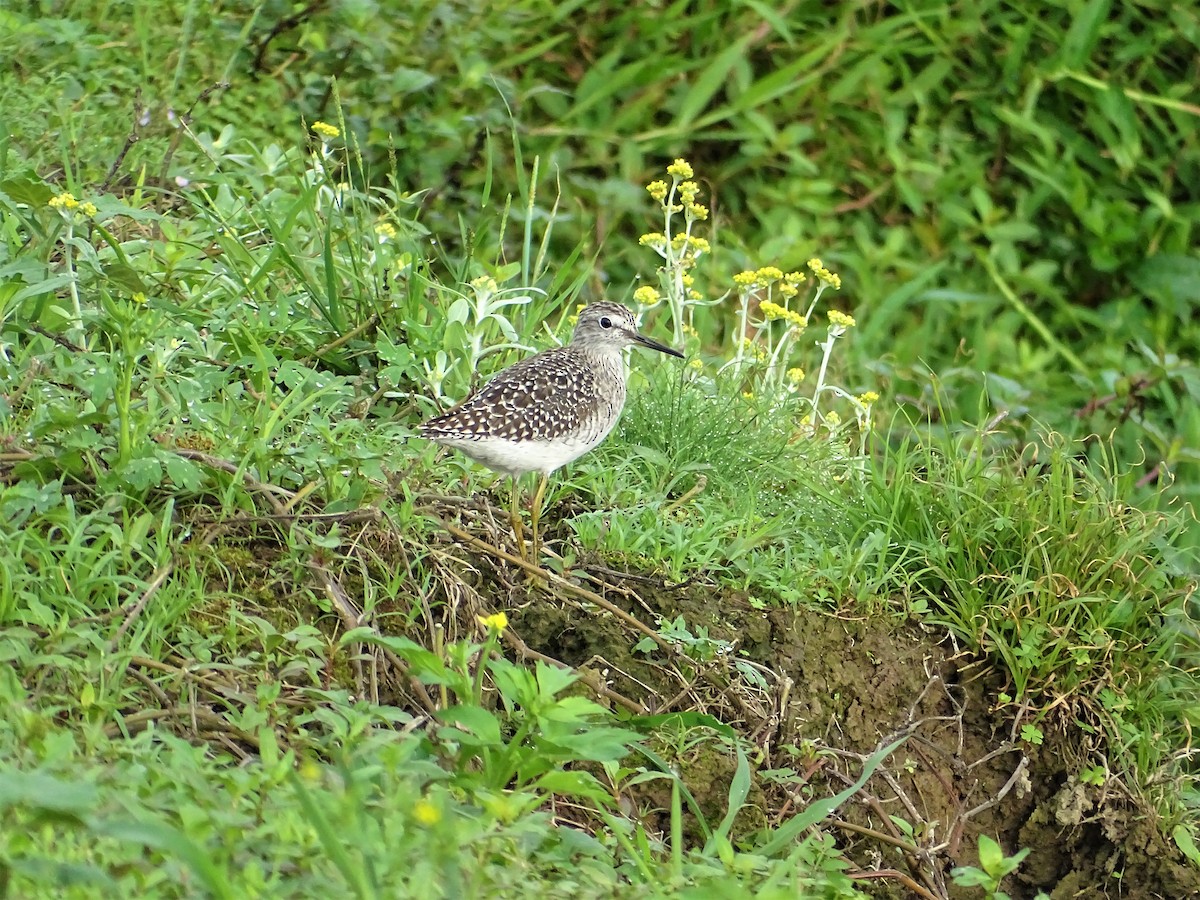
x=821, y=692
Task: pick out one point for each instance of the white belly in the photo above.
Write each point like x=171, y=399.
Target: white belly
x=518, y=457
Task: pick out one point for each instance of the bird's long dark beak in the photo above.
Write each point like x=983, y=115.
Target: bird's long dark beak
x=653, y=344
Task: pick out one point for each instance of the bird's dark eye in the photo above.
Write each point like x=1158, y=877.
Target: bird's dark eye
x=605, y=322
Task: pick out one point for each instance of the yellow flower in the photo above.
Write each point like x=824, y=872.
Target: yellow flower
x=646, y=295
x=796, y=375
x=695, y=295
x=839, y=319
x=385, y=230
x=768, y=275
x=788, y=290
x=868, y=398
x=794, y=278
x=745, y=279
x=690, y=330
x=325, y=130
x=681, y=168
x=426, y=813
x=688, y=280
x=696, y=245
x=139, y=297
x=830, y=278
x=63, y=201
x=697, y=212
x=658, y=190
x=754, y=349
x=833, y=420
x=696, y=364
x=496, y=622
x=653, y=239
x=688, y=191
x=772, y=311
x=484, y=284
x=88, y=208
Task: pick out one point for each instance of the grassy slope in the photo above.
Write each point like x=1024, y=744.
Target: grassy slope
x=210, y=324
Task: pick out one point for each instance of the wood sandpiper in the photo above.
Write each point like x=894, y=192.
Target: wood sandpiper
x=543, y=412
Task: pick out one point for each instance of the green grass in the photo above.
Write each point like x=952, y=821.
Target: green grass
x=207, y=463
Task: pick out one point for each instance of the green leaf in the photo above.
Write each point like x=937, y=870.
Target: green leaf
x=1084, y=33
x=739, y=790
x=126, y=277
x=1184, y=840
x=477, y=721
x=991, y=857
x=34, y=790
x=27, y=190
x=711, y=80
x=171, y=843
x=183, y=473
x=681, y=720
x=818, y=810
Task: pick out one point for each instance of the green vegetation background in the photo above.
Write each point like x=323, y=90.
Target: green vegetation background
x=1010, y=190
x=1010, y=193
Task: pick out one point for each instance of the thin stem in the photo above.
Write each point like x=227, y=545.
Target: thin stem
x=76, y=333
x=826, y=352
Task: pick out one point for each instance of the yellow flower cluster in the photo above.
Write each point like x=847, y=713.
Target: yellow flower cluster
x=658, y=190
x=385, y=230
x=754, y=349
x=681, y=168
x=868, y=398
x=646, y=295
x=63, y=201
x=830, y=278
x=769, y=275
x=326, y=131
x=484, y=284
x=67, y=201
x=688, y=191
x=796, y=375
x=496, y=622
x=690, y=245
x=685, y=247
x=839, y=319
x=772, y=311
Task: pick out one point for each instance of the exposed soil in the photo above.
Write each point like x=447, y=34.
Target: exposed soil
x=838, y=687
x=817, y=692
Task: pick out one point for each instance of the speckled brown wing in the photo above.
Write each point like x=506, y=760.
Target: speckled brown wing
x=555, y=393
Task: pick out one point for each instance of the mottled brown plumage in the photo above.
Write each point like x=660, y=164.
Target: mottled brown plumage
x=550, y=409
x=545, y=411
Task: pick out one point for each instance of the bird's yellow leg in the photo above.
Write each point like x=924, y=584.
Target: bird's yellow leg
x=535, y=516
x=515, y=516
